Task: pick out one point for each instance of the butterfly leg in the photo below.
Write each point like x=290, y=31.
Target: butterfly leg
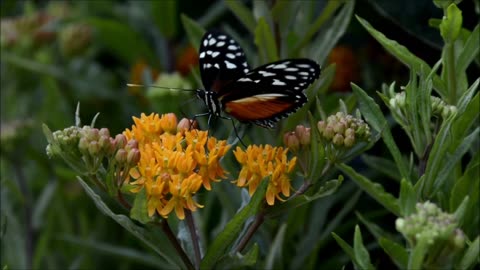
x=234, y=129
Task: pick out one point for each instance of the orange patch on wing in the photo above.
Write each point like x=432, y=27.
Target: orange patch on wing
x=256, y=108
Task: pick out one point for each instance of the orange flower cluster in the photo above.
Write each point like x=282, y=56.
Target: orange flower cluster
x=173, y=165
x=265, y=162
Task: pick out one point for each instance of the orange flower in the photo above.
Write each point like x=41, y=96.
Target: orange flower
x=265, y=162
x=173, y=166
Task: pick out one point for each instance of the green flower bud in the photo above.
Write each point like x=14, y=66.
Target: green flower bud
x=349, y=141
x=121, y=156
x=104, y=132
x=93, y=148
x=338, y=140
x=83, y=145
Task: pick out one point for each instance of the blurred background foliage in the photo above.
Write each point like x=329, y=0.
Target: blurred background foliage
x=57, y=53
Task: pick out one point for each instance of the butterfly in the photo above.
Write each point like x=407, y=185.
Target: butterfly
x=261, y=96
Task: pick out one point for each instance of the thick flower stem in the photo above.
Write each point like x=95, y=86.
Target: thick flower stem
x=173, y=240
x=194, y=236
x=259, y=218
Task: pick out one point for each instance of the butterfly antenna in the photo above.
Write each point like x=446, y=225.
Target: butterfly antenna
x=161, y=87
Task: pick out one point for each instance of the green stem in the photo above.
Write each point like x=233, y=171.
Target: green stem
x=451, y=74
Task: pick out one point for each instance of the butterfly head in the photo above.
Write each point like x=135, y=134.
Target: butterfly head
x=210, y=98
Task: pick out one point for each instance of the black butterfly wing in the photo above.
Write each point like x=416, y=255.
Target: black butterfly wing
x=221, y=60
x=270, y=92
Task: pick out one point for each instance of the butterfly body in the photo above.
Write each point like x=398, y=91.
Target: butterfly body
x=261, y=96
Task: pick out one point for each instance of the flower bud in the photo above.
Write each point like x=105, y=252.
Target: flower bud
x=121, y=156
x=185, y=124
x=132, y=144
x=83, y=145
x=304, y=137
x=338, y=139
x=169, y=123
x=291, y=141
x=104, y=143
x=120, y=141
x=93, y=148
x=349, y=141
x=104, y=132
x=328, y=132
x=133, y=157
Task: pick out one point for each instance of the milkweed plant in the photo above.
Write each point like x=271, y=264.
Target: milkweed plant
x=166, y=180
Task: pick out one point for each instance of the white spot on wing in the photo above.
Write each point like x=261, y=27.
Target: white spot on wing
x=220, y=44
x=290, y=77
x=230, y=55
x=266, y=73
x=202, y=54
x=291, y=69
x=222, y=37
x=232, y=47
x=205, y=42
x=230, y=65
x=280, y=66
x=215, y=54
x=303, y=65
x=303, y=73
x=245, y=80
x=217, y=65
x=278, y=82
x=212, y=41
x=209, y=52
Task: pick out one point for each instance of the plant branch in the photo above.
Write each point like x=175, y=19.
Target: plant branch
x=194, y=236
x=173, y=240
x=259, y=218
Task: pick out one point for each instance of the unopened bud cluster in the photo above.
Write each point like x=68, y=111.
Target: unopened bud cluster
x=91, y=145
x=439, y=107
x=66, y=140
x=298, y=138
x=431, y=223
x=343, y=130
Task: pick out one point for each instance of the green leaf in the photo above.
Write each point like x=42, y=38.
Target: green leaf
x=375, y=190
x=453, y=159
x=276, y=249
x=345, y=246
x=374, y=116
x=139, y=209
x=242, y=13
x=317, y=161
x=327, y=189
x=329, y=38
x=361, y=253
x=415, y=261
x=165, y=17
x=408, y=198
x=404, y=55
x=461, y=210
x=121, y=40
x=327, y=12
x=265, y=41
x=239, y=261
x=164, y=250
x=469, y=51
x=382, y=165
x=466, y=98
x=230, y=233
x=372, y=227
x=470, y=256
x=451, y=24
x=397, y=252
x=194, y=31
